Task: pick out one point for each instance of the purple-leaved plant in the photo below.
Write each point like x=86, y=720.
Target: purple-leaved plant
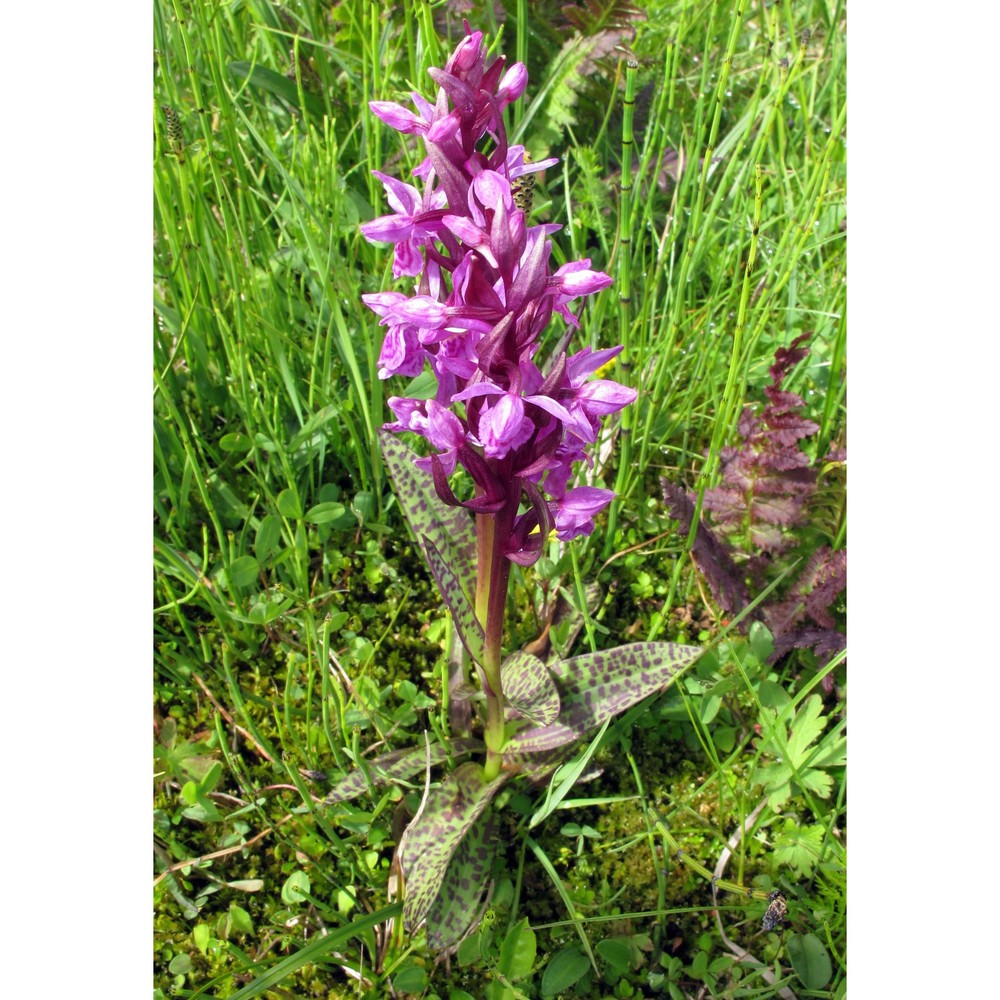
x=482, y=292
x=767, y=481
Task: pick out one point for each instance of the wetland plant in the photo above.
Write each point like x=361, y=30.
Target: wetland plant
x=507, y=430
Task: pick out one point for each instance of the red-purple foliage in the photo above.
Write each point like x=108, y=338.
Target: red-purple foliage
x=767, y=481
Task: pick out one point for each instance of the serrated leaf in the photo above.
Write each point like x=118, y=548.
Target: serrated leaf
x=529, y=688
x=595, y=687
x=433, y=837
x=798, y=848
x=805, y=728
x=395, y=766
x=832, y=754
x=462, y=611
x=457, y=903
x=451, y=529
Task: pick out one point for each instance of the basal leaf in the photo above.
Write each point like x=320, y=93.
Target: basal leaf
x=462, y=611
x=451, y=529
x=395, y=766
x=810, y=960
x=529, y=688
x=433, y=837
x=457, y=903
x=597, y=686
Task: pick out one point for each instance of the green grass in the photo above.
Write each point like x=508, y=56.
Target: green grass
x=294, y=624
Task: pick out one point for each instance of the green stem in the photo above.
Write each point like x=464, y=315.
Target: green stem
x=494, y=531
x=681, y=855
x=624, y=295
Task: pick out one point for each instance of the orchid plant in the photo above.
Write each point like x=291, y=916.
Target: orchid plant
x=505, y=432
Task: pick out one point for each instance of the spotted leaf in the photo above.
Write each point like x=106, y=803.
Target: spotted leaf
x=458, y=900
x=597, y=686
x=462, y=611
x=529, y=688
x=450, y=529
x=433, y=838
x=395, y=766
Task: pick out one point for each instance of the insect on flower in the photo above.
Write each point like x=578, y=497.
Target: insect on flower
x=522, y=188
x=776, y=910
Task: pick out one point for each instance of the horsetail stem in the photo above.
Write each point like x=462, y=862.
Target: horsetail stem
x=737, y=888
x=624, y=268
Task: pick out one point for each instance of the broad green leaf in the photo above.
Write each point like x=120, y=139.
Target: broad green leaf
x=434, y=835
x=517, y=953
x=235, y=442
x=288, y=504
x=295, y=887
x=462, y=611
x=246, y=885
x=411, y=978
x=201, y=934
x=180, y=965
x=457, y=903
x=237, y=921
x=809, y=960
x=394, y=766
x=529, y=688
x=266, y=611
x=243, y=572
x=323, y=513
x=451, y=529
x=595, y=687
x=564, y=970
x=210, y=779
x=773, y=695
x=616, y=953
x=268, y=536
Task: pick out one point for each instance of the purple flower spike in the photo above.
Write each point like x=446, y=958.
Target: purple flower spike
x=483, y=295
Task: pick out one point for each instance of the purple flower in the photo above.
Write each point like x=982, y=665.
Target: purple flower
x=484, y=294
x=574, y=513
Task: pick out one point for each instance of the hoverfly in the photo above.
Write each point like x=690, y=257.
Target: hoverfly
x=776, y=910
x=523, y=188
